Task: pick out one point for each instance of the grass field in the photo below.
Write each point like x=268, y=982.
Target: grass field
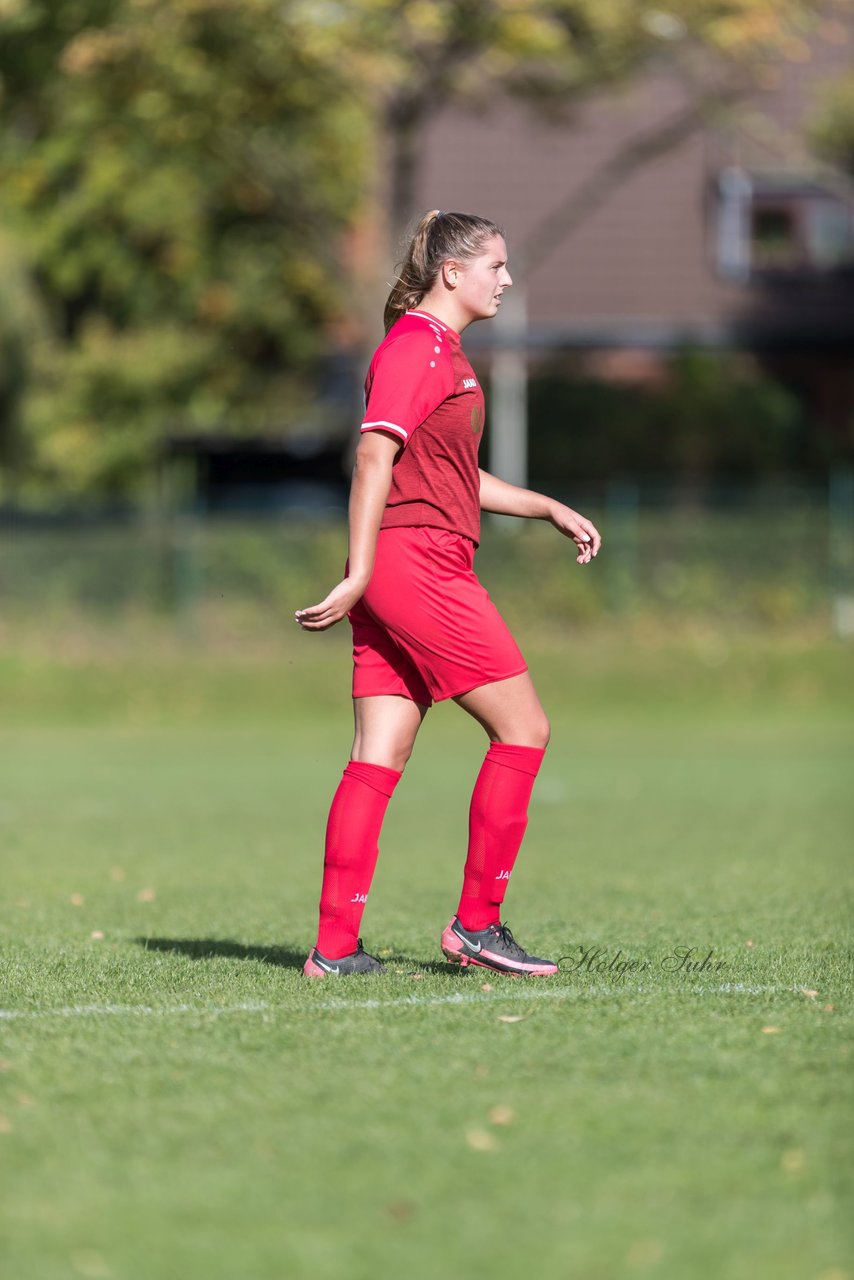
x=176, y=1101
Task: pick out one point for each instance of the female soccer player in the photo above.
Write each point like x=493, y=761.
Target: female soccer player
x=424, y=629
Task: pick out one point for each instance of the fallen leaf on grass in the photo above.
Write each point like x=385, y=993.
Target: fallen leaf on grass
x=806, y=992
x=97, y=934
x=513, y=1017
x=5, y=1124
x=77, y=899
x=486, y=986
x=770, y=1031
x=481, y=1140
x=749, y=942
x=828, y=1008
x=400, y=1210
x=146, y=895
x=502, y=1115
x=793, y=1160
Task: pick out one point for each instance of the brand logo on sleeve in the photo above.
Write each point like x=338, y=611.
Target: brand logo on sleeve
x=469, y=382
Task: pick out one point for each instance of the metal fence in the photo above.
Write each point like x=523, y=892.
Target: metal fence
x=779, y=554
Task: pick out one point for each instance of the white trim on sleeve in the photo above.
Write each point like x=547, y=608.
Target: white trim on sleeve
x=390, y=426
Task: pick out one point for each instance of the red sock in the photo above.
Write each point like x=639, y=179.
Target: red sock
x=352, y=835
x=497, y=820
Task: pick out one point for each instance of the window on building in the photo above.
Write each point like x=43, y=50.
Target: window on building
x=778, y=225
x=775, y=240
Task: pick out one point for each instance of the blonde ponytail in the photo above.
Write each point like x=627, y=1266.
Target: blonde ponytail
x=437, y=237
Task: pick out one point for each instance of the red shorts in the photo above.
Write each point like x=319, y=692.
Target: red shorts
x=426, y=629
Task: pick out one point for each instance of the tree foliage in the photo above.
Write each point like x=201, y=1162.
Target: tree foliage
x=713, y=417
x=552, y=54
x=831, y=128
x=180, y=176
x=178, y=173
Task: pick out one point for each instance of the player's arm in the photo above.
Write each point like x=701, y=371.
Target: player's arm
x=369, y=492
x=509, y=500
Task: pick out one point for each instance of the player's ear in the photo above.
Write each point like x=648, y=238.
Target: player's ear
x=450, y=273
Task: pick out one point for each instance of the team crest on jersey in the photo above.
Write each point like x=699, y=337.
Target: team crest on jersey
x=469, y=382
x=477, y=419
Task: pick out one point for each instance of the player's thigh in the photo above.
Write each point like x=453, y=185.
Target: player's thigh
x=509, y=710
x=386, y=728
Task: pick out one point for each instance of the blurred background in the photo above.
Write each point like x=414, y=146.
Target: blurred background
x=202, y=205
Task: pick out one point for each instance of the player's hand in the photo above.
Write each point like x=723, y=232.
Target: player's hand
x=339, y=602
x=583, y=532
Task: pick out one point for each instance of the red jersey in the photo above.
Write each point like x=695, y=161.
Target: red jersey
x=421, y=387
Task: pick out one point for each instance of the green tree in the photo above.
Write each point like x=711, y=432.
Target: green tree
x=831, y=129
x=23, y=326
x=181, y=176
x=179, y=173
x=552, y=54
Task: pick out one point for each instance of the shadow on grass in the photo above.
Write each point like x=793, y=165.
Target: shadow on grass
x=204, y=948
x=426, y=966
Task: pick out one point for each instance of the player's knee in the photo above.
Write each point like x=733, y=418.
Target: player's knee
x=529, y=733
x=390, y=757
x=537, y=732
x=541, y=731
x=401, y=758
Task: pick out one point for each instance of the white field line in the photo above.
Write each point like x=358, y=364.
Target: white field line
x=473, y=997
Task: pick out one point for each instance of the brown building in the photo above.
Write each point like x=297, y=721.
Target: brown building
x=733, y=237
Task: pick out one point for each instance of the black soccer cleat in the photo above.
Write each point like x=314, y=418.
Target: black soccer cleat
x=493, y=948
x=317, y=966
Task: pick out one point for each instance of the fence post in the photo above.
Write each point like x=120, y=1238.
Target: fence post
x=508, y=400
x=841, y=548
x=187, y=563
x=620, y=535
